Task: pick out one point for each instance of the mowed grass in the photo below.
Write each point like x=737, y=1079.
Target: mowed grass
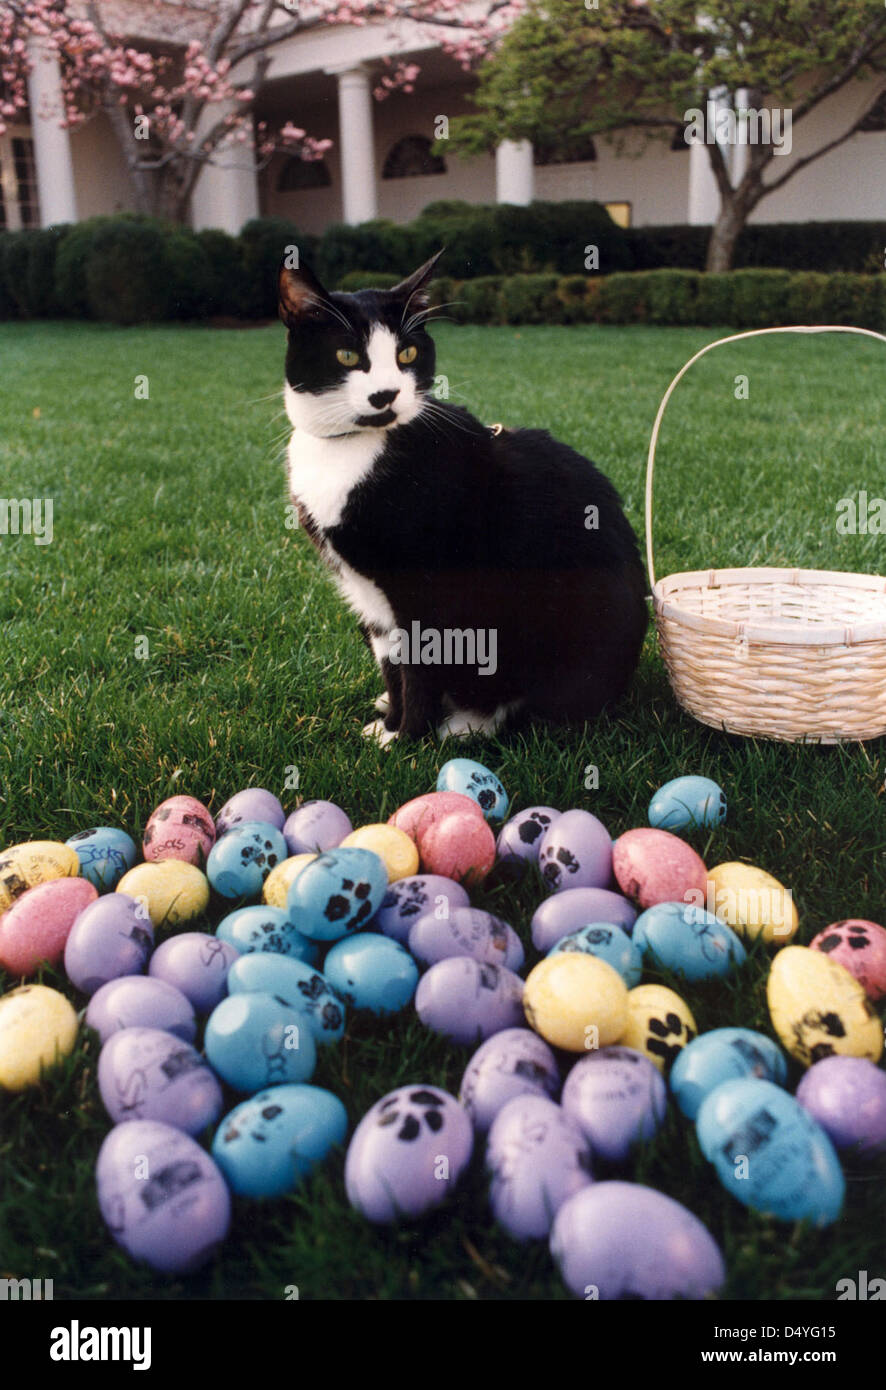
x=170, y=526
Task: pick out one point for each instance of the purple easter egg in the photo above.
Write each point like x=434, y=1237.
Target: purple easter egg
x=468, y=1001
x=197, y=964
x=538, y=1159
x=254, y=803
x=407, y=1153
x=618, y=1240
x=575, y=907
x=140, y=1001
x=467, y=931
x=520, y=838
x=146, y=1074
x=617, y=1098
x=514, y=1062
x=575, y=852
x=847, y=1096
x=315, y=826
x=407, y=899
x=109, y=938
x=161, y=1196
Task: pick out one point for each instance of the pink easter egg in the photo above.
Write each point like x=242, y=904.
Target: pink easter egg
x=418, y=815
x=861, y=947
x=38, y=924
x=179, y=828
x=459, y=845
x=654, y=866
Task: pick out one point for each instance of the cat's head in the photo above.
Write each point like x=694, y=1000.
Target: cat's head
x=356, y=362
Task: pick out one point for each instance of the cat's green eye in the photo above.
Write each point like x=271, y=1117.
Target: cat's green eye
x=407, y=355
x=347, y=357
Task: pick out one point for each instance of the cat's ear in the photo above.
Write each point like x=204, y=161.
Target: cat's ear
x=300, y=293
x=413, y=291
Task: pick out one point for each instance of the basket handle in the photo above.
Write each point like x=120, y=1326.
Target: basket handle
x=732, y=338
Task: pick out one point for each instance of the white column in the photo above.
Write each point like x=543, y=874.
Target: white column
x=514, y=172
x=704, y=195
x=356, y=144
x=741, y=151
x=225, y=195
x=52, y=143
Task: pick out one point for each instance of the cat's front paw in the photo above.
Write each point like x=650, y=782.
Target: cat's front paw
x=378, y=733
x=383, y=704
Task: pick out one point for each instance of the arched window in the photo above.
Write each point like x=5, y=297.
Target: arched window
x=581, y=151
x=411, y=157
x=298, y=173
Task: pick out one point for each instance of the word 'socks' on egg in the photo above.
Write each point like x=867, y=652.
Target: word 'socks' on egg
x=34, y=861
x=687, y=940
x=538, y=1158
x=197, y=964
x=861, y=947
x=654, y=866
x=847, y=1096
x=241, y=860
x=264, y=928
x=575, y=852
x=37, y=926
x=753, y=903
x=609, y=943
x=171, y=891
x=105, y=853
x=146, y=1074
x=370, y=971
x=395, y=849
x=818, y=1009
x=769, y=1153
x=161, y=1196
x=407, y=1153
x=687, y=801
x=520, y=839
x=337, y=893
x=566, y=912
x=180, y=828
x=410, y=898
x=254, y=803
x=576, y=1002
x=270, y=1143
x=140, y=1001
x=467, y=931
x=723, y=1054
x=315, y=827
x=617, y=1098
x=297, y=984
x=255, y=1039
x=38, y=1028
x=113, y=936
x=476, y=781
x=659, y=1023
x=468, y=1001
x=511, y=1063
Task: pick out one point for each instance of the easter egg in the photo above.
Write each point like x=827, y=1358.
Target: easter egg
x=415, y=896
x=111, y=937
x=693, y=801
x=514, y=1062
x=606, y=942
x=753, y=903
x=459, y=845
x=34, y=861
x=520, y=838
x=270, y=1143
x=419, y=814
x=370, y=971
x=171, y=891
x=847, y=1097
x=394, y=848
x=576, y=1001
x=723, y=1054
x=134, y=1001
x=575, y=852
x=197, y=964
x=254, y=803
x=476, y=781
x=276, y=886
x=105, y=853
x=538, y=1158
x=654, y=866
x=620, y=1240
x=180, y=828
x=297, y=984
x=659, y=1024
x=314, y=827
x=467, y=931
x=255, y=1040
x=241, y=860
x=146, y=1074
x=468, y=1001
x=337, y=893
x=262, y=928
x=769, y=1153
x=617, y=1098
x=819, y=1009
x=38, y=924
x=38, y=1028
x=861, y=947
x=576, y=907
x=162, y=1198
x=687, y=940
x=407, y=1153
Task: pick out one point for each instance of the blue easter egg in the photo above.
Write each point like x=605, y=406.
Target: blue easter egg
x=241, y=860
x=255, y=1040
x=769, y=1153
x=693, y=943
x=262, y=928
x=723, y=1054
x=297, y=984
x=270, y=1143
x=687, y=801
x=105, y=854
x=338, y=892
x=608, y=942
x=476, y=781
x=372, y=972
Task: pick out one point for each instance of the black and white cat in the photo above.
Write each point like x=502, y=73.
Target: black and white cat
x=435, y=525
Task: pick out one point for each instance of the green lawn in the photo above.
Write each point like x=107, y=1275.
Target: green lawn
x=169, y=523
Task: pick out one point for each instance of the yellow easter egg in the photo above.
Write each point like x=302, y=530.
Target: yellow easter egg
x=172, y=891
x=276, y=885
x=818, y=1008
x=576, y=1002
x=394, y=847
x=38, y=1027
x=752, y=902
x=34, y=861
x=659, y=1024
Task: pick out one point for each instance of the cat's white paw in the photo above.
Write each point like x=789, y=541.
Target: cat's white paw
x=377, y=731
x=462, y=723
x=383, y=703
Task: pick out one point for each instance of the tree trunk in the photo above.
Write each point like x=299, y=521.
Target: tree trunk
x=725, y=233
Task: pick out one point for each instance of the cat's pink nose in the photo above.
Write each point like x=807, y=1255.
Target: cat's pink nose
x=379, y=399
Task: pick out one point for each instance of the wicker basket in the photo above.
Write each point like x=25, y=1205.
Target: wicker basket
x=791, y=654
